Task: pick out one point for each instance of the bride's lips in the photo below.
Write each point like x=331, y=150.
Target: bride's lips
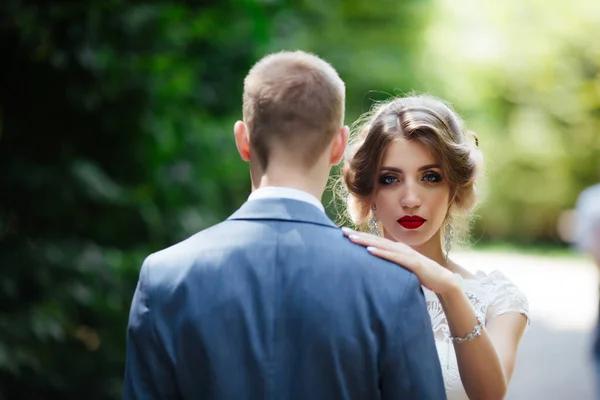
x=411, y=221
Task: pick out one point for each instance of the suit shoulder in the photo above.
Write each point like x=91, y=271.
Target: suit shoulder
x=194, y=243
x=357, y=259
x=364, y=275
x=180, y=254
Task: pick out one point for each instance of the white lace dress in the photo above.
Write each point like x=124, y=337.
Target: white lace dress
x=491, y=295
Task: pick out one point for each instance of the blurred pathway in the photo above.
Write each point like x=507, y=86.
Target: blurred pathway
x=553, y=360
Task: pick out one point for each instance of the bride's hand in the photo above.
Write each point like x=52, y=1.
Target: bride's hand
x=431, y=274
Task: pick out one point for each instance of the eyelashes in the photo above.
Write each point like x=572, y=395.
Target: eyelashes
x=387, y=179
x=428, y=177
x=432, y=177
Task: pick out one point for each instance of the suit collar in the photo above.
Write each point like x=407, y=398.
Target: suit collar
x=282, y=210
x=279, y=192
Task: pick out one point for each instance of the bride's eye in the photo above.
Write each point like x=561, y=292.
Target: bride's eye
x=432, y=177
x=387, y=179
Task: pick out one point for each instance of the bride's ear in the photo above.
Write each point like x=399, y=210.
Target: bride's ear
x=340, y=141
x=242, y=140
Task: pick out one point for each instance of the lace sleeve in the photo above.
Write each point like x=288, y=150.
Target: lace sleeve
x=506, y=297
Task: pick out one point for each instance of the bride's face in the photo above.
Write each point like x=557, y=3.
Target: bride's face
x=412, y=195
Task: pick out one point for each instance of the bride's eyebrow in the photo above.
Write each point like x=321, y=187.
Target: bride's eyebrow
x=430, y=166
x=399, y=171
x=391, y=169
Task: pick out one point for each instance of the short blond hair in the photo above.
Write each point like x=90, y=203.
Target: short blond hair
x=294, y=100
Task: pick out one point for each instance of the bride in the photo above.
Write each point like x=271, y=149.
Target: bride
x=410, y=177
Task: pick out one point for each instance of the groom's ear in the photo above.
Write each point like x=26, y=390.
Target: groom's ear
x=340, y=141
x=242, y=141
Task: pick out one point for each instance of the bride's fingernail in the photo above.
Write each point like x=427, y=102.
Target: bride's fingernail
x=345, y=229
x=371, y=248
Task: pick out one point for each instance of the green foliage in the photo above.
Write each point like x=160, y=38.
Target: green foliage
x=526, y=78
x=116, y=139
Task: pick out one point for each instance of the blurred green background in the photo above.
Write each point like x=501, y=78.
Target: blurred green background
x=116, y=139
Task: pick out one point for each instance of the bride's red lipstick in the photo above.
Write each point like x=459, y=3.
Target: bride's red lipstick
x=411, y=221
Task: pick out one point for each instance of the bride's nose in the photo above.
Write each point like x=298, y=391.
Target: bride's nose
x=410, y=195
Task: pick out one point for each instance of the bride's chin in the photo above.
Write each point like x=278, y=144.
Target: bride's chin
x=413, y=239
x=412, y=243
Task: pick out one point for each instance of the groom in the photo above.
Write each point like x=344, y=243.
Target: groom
x=274, y=302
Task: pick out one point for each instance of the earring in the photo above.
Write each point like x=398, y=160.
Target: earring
x=373, y=221
x=448, y=234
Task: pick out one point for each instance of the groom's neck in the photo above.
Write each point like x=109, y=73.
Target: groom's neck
x=312, y=182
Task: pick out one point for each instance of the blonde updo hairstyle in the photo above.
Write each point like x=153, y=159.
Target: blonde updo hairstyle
x=425, y=119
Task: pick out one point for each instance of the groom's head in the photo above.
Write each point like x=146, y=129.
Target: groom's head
x=293, y=108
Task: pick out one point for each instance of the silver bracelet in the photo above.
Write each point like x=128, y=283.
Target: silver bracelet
x=470, y=336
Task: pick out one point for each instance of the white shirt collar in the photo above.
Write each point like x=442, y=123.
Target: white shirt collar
x=279, y=192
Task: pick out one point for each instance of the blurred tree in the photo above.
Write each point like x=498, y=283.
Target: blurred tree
x=526, y=76
x=115, y=142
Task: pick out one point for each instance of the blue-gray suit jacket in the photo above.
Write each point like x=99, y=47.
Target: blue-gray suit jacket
x=275, y=303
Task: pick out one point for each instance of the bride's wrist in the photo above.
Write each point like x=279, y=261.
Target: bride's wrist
x=450, y=289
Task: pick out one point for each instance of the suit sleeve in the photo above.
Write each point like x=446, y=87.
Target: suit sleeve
x=412, y=370
x=148, y=374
